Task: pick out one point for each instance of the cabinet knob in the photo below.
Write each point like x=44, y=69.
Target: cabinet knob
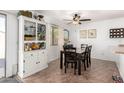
x=37, y=62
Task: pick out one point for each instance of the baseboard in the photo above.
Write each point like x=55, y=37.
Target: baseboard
x=104, y=59
x=19, y=79
x=52, y=60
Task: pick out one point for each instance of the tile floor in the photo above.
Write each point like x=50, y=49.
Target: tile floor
x=101, y=71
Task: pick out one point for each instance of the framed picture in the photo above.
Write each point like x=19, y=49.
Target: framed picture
x=92, y=33
x=83, y=33
x=54, y=35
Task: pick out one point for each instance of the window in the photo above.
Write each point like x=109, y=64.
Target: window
x=54, y=35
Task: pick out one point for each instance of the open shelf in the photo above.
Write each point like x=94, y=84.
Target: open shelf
x=34, y=36
x=34, y=46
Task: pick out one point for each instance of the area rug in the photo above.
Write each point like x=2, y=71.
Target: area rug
x=10, y=80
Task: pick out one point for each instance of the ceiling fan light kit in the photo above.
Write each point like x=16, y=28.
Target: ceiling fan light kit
x=76, y=20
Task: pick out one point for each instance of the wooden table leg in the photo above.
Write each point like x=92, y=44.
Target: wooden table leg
x=61, y=60
x=79, y=67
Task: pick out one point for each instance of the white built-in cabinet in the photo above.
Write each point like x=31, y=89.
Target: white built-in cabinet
x=32, y=56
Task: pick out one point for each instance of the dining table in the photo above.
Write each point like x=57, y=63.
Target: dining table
x=79, y=51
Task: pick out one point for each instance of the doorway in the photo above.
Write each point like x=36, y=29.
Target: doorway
x=2, y=45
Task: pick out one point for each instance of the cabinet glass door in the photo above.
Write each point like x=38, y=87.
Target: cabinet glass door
x=41, y=32
x=29, y=31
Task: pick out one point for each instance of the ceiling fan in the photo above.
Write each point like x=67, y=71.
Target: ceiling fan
x=76, y=19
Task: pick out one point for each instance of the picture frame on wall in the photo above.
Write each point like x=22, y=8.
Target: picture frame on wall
x=54, y=35
x=83, y=33
x=92, y=33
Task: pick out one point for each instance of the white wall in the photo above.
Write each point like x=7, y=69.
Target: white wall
x=53, y=51
x=11, y=49
x=102, y=45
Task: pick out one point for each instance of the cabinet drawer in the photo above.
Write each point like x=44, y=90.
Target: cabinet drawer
x=28, y=55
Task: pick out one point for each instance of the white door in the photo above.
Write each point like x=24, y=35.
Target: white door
x=2, y=44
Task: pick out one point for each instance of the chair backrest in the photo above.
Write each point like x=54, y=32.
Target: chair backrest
x=70, y=53
x=84, y=54
x=68, y=46
x=89, y=49
x=86, y=51
x=84, y=45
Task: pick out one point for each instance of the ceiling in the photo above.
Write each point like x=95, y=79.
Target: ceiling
x=91, y=14
x=94, y=15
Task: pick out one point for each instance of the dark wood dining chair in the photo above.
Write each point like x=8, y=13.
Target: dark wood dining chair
x=70, y=57
x=83, y=57
x=89, y=54
x=84, y=45
x=68, y=46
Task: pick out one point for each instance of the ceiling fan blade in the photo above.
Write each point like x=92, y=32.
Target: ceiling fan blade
x=67, y=20
x=79, y=23
x=69, y=23
x=85, y=20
